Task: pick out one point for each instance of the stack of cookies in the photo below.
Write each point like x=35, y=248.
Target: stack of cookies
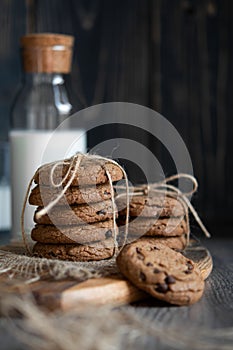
x=155, y=216
x=79, y=227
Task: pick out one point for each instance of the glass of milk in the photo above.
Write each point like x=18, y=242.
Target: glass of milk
x=42, y=104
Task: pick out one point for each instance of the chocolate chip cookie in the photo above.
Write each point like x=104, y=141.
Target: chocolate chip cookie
x=42, y=195
x=166, y=227
x=77, y=214
x=90, y=172
x=162, y=272
x=81, y=234
x=75, y=252
x=153, y=206
x=178, y=243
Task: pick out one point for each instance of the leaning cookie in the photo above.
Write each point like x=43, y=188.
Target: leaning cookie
x=75, y=252
x=90, y=172
x=165, y=227
x=162, y=272
x=177, y=243
x=153, y=206
x=76, y=214
x=81, y=234
x=42, y=195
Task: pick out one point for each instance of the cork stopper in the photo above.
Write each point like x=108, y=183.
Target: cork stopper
x=47, y=53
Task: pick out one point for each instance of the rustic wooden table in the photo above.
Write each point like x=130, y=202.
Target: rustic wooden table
x=196, y=326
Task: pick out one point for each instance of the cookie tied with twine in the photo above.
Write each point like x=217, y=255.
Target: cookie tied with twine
x=80, y=170
x=167, y=190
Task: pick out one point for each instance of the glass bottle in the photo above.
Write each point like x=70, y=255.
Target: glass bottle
x=40, y=107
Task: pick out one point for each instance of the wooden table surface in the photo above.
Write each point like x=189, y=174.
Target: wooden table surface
x=213, y=312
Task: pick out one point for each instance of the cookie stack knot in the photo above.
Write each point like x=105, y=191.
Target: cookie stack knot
x=75, y=218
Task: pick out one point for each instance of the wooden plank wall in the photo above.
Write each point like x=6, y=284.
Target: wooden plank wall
x=173, y=56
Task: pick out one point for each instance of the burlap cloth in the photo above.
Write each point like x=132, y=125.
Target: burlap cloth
x=17, y=264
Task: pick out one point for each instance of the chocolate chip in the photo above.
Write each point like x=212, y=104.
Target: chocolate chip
x=188, y=272
x=155, y=248
x=156, y=270
x=170, y=279
x=101, y=212
x=149, y=264
x=189, y=265
x=142, y=276
x=139, y=254
x=108, y=234
x=52, y=254
x=162, y=288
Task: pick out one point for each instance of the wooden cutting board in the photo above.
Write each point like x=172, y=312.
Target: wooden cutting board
x=68, y=294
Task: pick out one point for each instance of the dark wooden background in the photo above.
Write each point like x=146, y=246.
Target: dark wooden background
x=174, y=56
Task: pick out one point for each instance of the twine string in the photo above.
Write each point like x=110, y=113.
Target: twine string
x=163, y=187
x=22, y=216
x=114, y=212
x=57, y=165
x=76, y=160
